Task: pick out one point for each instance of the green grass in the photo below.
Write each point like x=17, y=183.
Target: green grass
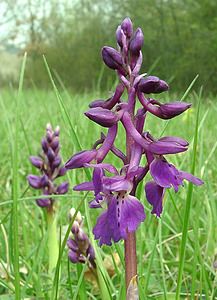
x=175, y=255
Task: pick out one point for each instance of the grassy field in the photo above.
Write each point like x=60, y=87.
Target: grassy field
x=23, y=226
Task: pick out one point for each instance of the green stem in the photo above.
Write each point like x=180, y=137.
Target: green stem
x=104, y=292
x=82, y=289
x=53, y=246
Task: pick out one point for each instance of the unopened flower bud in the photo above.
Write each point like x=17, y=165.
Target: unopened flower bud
x=57, y=131
x=102, y=116
x=36, y=161
x=91, y=253
x=112, y=58
x=137, y=42
x=49, y=127
x=80, y=158
x=127, y=27
x=75, y=227
x=164, y=147
x=62, y=188
x=49, y=136
x=34, y=181
x=170, y=110
x=119, y=36
x=56, y=162
x=73, y=257
x=44, y=145
x=62, y=171
x=97, y=103
x=44, y=181
x=43, y=202
x=72, y=244
x=55, y=143
x=152, y=84
x=174, y=139
x=50, y=154
x=78, y=217
x=82, y=236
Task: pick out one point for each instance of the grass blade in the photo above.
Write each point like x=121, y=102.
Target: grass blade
x=56, y=276
x=187, y=209
x=15, y=185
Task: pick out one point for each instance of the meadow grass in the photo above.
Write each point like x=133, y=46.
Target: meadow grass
x=175, y=253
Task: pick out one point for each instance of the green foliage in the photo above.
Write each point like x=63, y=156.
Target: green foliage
x=158, y=245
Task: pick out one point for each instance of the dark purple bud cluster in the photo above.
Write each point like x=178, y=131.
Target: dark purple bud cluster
x=49, y=164
x=124, y=211
x=80, y=248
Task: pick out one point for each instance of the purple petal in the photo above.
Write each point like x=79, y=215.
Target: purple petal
x=111, y=102
x=117, y=183
x=191, y=178
x=131, y=214
x=97, y=180
x=174, y=139
x=107, y=144
x=106, y=228
x=165, y=174
x=162, y=147
x=102, y=116
x=135, y=171
x=154, y=195
x=85, y=186
x=95, y=203
x=80, y=158
x=108, y=167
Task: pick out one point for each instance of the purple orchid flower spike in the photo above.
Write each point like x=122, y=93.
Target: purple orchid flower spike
x=115, y=193
x=80, y=248
x=49, y=164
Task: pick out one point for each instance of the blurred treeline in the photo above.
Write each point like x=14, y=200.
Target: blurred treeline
x=180, y=40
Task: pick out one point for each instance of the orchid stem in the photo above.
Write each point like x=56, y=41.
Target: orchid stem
x=53, y=247
x=130, y=257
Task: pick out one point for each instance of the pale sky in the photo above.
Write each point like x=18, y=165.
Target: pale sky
x=12, y=10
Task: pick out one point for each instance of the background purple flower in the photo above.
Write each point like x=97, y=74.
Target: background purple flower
x=49, y=164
